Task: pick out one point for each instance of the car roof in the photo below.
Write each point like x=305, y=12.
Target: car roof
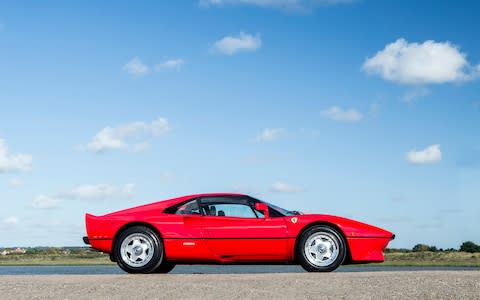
x=214, y=195
x=162, y=204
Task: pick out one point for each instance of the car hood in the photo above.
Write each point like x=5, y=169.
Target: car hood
x=351, y=228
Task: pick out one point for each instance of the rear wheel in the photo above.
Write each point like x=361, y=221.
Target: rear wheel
x=321, y=249
x=164, y=267
x=138, y=249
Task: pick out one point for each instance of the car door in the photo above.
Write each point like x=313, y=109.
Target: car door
x=182, y=234
x=234, y=231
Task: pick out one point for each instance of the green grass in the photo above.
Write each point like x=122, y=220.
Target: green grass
x=56, y=256
x=447, y=259
x=85, y=256
x=54, y=261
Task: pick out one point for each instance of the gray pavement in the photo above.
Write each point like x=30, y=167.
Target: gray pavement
x=337, y=285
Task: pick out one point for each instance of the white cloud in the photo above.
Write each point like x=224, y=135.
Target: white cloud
x=85, y=192
x=431, y=154
x=243, y=188
x=269, y=134
x=338, y=114
x=136, y=67
x=172, y=64
x=119, y=137
x=288, y=4
x=282, y=187
x=414, y=94
x=46, y=202
x=243, y=42
x=167, y=176
x=18, y=162
x=15, y=183
x=140, y=147
x=10, y=220
x=99, y=192
x=427, y=63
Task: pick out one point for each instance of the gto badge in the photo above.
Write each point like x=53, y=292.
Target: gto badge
x=294, y=220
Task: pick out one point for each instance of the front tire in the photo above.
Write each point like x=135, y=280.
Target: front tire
x=321, y=249
x=138, y=249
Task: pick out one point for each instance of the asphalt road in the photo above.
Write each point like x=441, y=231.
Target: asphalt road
x=354, y=285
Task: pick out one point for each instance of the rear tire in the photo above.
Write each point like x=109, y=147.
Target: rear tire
x=321, y=249
x=138, y=249
x=164, y=268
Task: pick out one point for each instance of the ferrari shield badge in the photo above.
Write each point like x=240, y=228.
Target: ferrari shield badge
x=294, y=220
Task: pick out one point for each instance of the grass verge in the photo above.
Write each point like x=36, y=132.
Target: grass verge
x=415, y=259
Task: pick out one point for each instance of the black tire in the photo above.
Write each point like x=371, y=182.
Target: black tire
x=155, y=259
x=331, y=235
x=164, y=267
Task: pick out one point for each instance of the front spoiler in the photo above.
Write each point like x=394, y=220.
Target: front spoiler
x=85, y=240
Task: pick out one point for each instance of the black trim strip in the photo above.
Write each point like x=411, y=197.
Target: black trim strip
x=225, y=238
x=100, y=239
x=368, y=237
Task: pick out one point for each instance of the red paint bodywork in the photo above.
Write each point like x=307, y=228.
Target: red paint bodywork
x=216, y=239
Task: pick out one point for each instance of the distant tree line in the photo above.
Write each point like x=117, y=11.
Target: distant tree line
x=468, y=246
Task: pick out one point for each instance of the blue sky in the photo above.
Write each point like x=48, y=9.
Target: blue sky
x=364, y=109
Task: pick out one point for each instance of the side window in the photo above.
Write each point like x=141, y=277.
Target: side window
x=189, y=208
x=229, y=210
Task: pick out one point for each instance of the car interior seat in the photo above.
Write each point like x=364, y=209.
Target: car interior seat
x=212, y=211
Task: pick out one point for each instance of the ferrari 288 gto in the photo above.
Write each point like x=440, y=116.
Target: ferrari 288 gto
x=226, y=228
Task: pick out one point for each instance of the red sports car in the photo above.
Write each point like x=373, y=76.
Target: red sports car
x=230, y=228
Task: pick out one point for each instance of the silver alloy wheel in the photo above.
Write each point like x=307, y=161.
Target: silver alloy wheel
x=137, y=249
x=322, y=249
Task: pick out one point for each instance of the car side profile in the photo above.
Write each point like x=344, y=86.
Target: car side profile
x=227, y=228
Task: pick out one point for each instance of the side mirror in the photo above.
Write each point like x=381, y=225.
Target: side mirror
x=262, y=207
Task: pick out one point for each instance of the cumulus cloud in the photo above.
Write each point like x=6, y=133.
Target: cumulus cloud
x=414, y=94
x=282, y=187
x=127, y=136
x=10, y=220
x=418, y=64
x=99, y=192
x=288, y=4
x=339, y=114
x=243, y=188
x=18, y=162
x=244, y=42
x=46, y=202
x=15, y=183
x=172, y=64
x=269, y=134
x=85, y=192
x=431, y=154
x=136, y=67
x=167, y=176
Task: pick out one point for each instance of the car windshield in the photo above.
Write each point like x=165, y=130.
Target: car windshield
x=283, y=211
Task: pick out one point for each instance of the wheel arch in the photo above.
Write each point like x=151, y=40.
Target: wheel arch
x=348, y=257
x=129, y=225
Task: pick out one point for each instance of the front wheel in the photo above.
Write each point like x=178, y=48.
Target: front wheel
x=321, y=249
x=138, y=249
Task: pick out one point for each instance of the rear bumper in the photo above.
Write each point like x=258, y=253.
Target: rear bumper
x=86, y=241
